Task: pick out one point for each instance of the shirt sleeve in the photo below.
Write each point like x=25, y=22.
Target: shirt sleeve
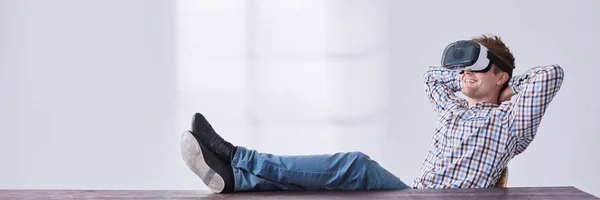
x=534, y=90
x=441, y=85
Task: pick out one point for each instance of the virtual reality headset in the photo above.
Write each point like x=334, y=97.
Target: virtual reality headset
x=470, y=55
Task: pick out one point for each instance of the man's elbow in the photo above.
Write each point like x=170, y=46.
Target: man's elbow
x=557, y=72
x=428, y=77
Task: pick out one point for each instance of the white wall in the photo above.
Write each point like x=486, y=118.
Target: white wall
x=95, y=94
x=87, y=94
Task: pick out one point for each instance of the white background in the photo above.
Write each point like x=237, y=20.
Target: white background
x=94, y=94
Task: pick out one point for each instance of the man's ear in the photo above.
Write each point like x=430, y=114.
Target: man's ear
x=502, y=79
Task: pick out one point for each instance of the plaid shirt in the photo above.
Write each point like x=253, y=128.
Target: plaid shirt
x=472, y=146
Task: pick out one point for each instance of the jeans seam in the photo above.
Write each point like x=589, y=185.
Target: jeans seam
x=273, y=166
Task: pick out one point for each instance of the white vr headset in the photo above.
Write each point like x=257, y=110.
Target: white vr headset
x=470, y=55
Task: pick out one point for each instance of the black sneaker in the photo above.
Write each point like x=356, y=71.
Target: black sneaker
x=215, y=173
x=208, y=137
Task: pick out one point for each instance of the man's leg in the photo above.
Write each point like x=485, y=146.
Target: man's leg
x=226, y=168
x=341, y=171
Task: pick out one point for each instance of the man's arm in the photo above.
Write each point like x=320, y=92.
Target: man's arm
x=534, y=91
x=441, y=85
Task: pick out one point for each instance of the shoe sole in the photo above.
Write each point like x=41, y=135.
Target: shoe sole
x=195, y=161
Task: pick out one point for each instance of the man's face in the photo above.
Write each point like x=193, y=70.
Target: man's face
x=482, y=85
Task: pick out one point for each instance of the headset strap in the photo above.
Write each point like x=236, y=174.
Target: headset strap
x=501, y=64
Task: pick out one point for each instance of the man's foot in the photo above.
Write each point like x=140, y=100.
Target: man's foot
x=208, y=137
x=215, y=173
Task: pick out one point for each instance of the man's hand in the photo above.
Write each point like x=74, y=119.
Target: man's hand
x=506, y=94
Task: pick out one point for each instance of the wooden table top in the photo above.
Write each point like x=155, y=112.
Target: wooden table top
x=491, y=193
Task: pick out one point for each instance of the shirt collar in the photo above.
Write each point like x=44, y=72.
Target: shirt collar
x=481, y=105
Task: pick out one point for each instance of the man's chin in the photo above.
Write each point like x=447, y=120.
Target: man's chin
x=468, y=93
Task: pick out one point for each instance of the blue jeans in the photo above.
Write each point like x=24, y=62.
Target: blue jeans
x=254, y=171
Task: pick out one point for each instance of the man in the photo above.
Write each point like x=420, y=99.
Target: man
x=472, y=145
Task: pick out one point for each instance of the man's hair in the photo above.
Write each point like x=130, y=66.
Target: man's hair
x=495, y=44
